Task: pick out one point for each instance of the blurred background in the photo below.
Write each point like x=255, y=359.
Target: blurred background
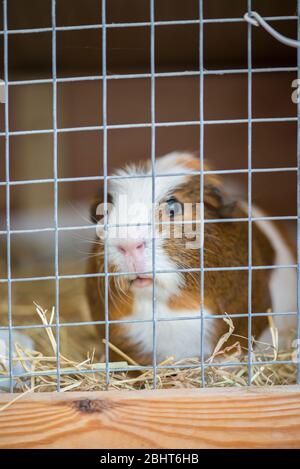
x=79, y=54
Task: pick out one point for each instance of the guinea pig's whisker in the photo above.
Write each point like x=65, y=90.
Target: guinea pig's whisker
x=89, y=255
x=89, y=241
x=192, y=275
x=86, y=241
x=114, y=300
x=120, y=289
x=116, y=294
x=214, y=253
x=82, y=216
x=115, y=303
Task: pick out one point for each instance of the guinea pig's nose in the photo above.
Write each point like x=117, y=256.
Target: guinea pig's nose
x=131, y=248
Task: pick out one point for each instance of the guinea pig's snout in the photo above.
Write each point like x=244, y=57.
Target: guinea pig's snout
x=133, y=255
x=132, y=248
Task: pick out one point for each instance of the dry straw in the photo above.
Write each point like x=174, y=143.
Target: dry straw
x=188, y=377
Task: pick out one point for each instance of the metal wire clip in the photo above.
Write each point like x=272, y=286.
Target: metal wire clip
x=256, y=20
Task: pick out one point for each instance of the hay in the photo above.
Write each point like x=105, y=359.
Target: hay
x=73, y=378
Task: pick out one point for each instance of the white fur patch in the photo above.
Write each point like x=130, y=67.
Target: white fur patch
x=283, y=282
x=179, y=339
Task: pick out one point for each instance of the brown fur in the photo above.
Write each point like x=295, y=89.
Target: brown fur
x=226, y=245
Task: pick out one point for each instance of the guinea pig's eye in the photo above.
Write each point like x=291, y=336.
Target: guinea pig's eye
x=173, y=207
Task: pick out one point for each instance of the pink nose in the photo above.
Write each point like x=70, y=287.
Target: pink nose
x=131, y=248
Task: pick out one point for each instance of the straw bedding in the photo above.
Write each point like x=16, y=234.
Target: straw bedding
x=80, y=352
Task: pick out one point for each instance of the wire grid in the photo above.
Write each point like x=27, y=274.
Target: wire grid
x=298, y=198
x=249, y=59
x=202, y=122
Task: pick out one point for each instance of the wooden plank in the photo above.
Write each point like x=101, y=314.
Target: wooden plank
x=209, y=418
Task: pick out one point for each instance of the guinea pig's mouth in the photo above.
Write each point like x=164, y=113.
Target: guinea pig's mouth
x=141, y=281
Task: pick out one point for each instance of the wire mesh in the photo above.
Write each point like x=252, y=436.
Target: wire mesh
x=152, y=125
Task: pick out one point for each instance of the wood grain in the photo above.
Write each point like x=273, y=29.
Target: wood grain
x=209, y=418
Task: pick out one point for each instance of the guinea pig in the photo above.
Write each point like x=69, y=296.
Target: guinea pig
x=178, y=244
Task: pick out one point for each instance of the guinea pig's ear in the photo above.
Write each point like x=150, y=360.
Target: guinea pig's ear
x=99, y=199
x=93, y=210
x=217, y=200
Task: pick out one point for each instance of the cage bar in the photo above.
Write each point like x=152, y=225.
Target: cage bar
x=153, y=176
x=55, y=176
x=201, y=137
x=7, y=178
x=249, y=59
x=298, y=205
x=104, y=117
